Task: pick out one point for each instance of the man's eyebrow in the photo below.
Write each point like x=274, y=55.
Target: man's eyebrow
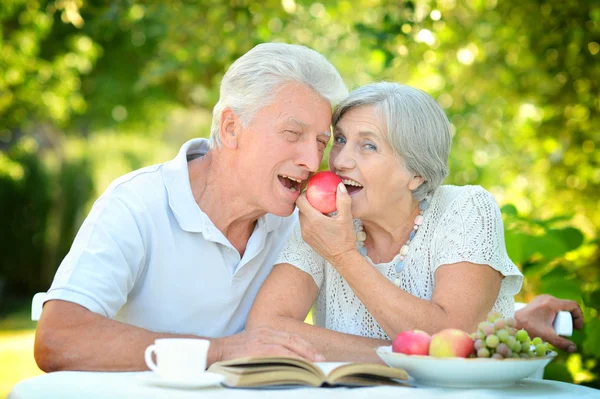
x=304, y=125
x=298, y=122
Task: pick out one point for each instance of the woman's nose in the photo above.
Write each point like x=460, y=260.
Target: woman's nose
x=342, y=159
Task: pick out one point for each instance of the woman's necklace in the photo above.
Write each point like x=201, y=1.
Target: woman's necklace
x=361, y=236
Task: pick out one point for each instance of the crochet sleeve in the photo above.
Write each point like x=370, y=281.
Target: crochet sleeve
x=301, y=255
x=472, y=230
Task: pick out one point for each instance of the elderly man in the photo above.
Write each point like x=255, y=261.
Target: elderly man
x=180, y=249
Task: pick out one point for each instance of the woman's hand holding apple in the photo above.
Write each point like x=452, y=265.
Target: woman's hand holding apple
x=333, y=237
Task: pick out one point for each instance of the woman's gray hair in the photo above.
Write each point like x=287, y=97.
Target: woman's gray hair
x=417, y=127
x=253, y=80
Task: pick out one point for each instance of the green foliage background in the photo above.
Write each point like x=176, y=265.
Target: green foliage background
x=90, y=90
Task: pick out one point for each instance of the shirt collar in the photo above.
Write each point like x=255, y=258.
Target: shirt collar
x=181, y=200
x=177, y=182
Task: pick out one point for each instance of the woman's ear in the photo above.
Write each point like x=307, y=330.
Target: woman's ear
x=415, y=182
x=228, y=130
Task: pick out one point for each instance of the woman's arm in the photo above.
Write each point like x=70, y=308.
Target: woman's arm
x=463, y=293
x=462, y=296
x=283, y=302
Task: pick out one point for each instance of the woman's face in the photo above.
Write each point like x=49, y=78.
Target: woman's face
x=375, y=177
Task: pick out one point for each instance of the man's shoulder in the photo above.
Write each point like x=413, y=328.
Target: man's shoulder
x=139, y=189
x=137, y=179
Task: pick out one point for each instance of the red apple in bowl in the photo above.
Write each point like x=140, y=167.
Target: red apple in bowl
x=415, y=342
x=321, y=191
x=451, y=342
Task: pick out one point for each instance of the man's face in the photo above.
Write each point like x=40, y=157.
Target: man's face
x=282, y=147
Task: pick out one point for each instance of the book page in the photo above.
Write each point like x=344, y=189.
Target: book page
x=326, y=367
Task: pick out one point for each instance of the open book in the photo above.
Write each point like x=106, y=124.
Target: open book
x=274, y=371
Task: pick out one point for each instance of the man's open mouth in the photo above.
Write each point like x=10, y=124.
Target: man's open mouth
x=291, y=183
x=352, y=186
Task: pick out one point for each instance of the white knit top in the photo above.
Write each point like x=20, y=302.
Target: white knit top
x=462, y=224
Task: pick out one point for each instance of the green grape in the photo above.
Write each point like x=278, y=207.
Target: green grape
x=500, y=324
x=483, y=352
x=512, y=331
x=473, y=336
x=525, y=347
x=511, y=341
x=482, y=325
x=522, y=336
x=517, y=347
x=502, y=335
x=479, y=335
x=536, y=341
x=493, y=316
x=511, y=322
x=540, y=349
x=497, y=356
x=515, y=355
x=492, y=341
x=524, y=355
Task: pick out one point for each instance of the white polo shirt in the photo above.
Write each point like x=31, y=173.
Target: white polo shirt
x=148, y=256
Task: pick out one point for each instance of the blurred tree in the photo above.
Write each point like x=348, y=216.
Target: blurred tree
x=105, y=87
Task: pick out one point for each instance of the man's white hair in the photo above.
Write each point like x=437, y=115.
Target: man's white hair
x=253, y=80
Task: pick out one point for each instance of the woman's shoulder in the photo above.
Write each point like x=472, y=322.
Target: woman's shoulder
x=450, y=193
x=457, y=197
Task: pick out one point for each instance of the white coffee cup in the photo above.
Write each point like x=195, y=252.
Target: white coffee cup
x=178, y=359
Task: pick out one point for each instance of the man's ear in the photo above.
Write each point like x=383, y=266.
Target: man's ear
x=229, y=129
x=415, y=182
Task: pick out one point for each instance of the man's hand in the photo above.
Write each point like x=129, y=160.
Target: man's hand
x=262, y=341
x=537, y=318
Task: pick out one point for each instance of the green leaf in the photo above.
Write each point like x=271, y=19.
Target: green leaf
x=509, y=210
x=550, y=246
x=557, y=273
x=561, y=287
x=533, y=269
x=516, y=246
x=591, y=345
x=562, y=218
x=558, y=371
x=571, y=237
x=593, y=300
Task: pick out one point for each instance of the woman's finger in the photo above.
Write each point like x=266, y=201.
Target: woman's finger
x=343, y=202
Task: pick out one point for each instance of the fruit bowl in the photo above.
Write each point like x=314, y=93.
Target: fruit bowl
x=458, y=372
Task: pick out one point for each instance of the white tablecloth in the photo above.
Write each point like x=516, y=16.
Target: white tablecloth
x=94, y=385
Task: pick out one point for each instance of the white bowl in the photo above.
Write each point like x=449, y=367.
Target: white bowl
x=458, y=372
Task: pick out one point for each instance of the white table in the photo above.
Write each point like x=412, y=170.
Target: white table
x=95, y=385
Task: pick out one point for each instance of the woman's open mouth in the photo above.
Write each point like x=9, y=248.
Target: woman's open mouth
x=352, y=186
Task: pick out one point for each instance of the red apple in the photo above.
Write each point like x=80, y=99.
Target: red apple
x=415, y=342
x=451, y=342
x=321, y=191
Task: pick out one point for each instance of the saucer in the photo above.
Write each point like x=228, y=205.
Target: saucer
x=205, y=380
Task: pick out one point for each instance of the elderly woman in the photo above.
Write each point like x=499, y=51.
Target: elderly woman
x=402, y=252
